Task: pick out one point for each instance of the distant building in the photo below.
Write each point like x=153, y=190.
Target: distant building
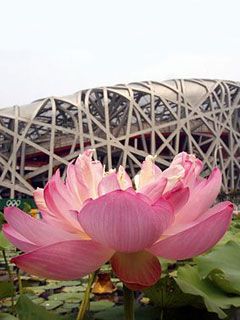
x=123, y=123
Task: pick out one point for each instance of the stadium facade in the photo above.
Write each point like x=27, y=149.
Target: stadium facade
x=123, y=123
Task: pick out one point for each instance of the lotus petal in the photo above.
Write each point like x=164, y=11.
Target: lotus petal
x=66, y=260
x=197, y=237
x=137, y=270
x=120, y=220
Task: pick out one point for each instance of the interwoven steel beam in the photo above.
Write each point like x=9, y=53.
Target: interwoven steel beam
x=123, y=123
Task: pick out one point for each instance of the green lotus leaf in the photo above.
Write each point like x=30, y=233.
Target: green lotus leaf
x=28, y=310
x=6, y=289
x=69, y=306
x=70, y=297
x=36, y=290
x=74, y=289
x=7, y=316
x=4, y=243
x=141, y=313
x=166, y=294
x=100, y=305
x=68, y=283
x=215, y=300
x=222, y=266
x=38, y=300
x=51, y=304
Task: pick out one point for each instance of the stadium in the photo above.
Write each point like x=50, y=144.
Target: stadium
x=123, y=123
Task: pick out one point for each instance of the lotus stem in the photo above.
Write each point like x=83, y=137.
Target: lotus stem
x=128, y=303
x=20, y=287
x=84, y=307
x=10, y=276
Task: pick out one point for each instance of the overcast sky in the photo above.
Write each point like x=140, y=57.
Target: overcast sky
x=56, y=47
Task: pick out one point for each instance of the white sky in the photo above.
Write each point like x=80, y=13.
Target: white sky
x=57, y=47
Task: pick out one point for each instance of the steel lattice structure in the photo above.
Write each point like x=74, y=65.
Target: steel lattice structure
x=123, y=123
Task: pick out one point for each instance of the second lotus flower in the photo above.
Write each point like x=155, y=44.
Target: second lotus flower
x=94, y=217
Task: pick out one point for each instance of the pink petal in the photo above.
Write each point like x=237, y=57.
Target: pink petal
x=179, y=158
x=120, y=220
x=88, y=172
x=35, y=230
x=38, y=195
x=173, y=174
x=148, y=172
x=62, y=224
x=192, y=173
x=123, y=179
x=137, y=270
x=57, y=223
x=197, y=237
x=155, y=189
x=78, y=190
x=108, y=183
x=164, y=214
x=185, y=159
x=178, y=197
x=192, y=167
x=215, y=210
x=57, y=190
x=17, y=239
x=66, y=260
x=48, y=216
x=198, y=167
x=201, y=198
x=58, y=204
x=61, y=187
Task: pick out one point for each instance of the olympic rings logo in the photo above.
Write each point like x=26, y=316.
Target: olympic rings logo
x=13, y=203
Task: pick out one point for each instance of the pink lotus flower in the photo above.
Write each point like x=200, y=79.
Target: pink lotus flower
x=94, y=217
